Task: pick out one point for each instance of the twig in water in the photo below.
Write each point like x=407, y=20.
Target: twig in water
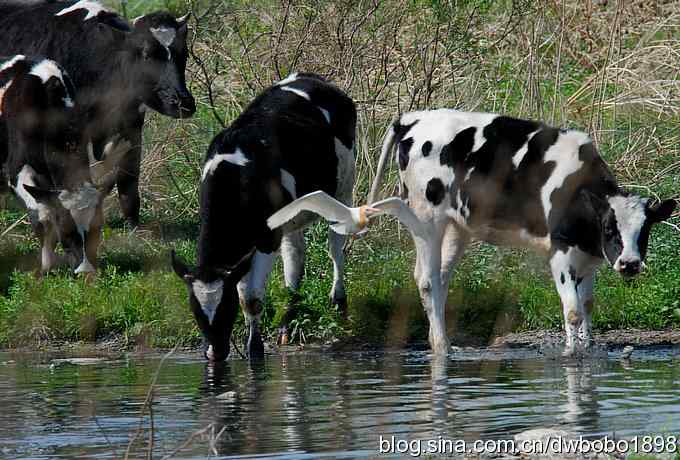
x=147, y=403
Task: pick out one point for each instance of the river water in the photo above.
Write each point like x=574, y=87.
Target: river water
x=320, y=405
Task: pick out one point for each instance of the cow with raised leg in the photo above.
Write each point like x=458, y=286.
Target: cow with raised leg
x=120, y=71
x=45, y=161
x=296, y=137
x=521, y=183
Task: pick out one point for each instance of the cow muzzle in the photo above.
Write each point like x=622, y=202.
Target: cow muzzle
x=628, y=267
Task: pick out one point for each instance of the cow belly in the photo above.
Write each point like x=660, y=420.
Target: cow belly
x=345, y=174
x=512, y=238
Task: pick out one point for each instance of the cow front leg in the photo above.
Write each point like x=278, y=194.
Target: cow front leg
x=293, y=254
x=563, y=273
x=585, y=296
x=428, y=280
x=338, y=297
x=251, y=294
x=127, y=178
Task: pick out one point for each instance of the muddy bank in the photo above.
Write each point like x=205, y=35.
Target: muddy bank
x=528, y=340
x=611, y=339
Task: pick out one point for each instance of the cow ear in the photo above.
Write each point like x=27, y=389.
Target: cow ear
x=182, y=23
x=180, y=268
x=239, y=269
x=661, y=211
x=41, y=195
x=112, y=33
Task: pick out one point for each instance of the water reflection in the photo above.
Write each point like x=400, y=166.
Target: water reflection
x=580, y=404
x=320, y=403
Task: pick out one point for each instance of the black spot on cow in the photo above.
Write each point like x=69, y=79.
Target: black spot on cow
x=404, y=191
x=435, y=191
x=427, y=148
x=562, y=280
x=404, y=148
x=504, y=136
x=455, y=151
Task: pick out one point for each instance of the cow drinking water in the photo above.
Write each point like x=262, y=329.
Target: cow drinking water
x=296, y=137
x=45, y=163
x=119, y=69
x=515, y=182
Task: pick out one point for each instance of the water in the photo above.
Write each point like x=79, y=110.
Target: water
x=323, y=405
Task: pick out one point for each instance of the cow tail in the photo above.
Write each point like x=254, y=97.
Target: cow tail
x=388, y=146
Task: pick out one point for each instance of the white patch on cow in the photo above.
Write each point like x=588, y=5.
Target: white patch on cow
x=299, y=92
x=288, y=182
x=47, y=69
x=565, y=154
x=165, y=37
x=519, y=155
x=135, y=20
x=27, y=177
x=209, y=296
x=325, y=113
x=93, y=9
x=237, y=158
x=289, y=79
x=81, y=204
x=630, y=218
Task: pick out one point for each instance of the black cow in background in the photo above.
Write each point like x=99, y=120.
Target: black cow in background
x=47, y=166
x=119, y=70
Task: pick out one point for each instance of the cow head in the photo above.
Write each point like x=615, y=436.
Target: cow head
x=626, y=221
x=160, y=60
x=213, y=299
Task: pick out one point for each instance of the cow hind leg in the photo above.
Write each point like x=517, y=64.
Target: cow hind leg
x=293, y=253
x=453, y=248
x=251, y=293
x=338, y=297
x=127, y=182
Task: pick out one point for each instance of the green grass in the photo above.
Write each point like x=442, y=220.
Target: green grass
x=494, y=291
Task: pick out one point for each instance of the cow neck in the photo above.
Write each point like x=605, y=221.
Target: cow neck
x=223, y=235
x=110, y=103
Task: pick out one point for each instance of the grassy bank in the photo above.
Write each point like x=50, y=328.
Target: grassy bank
x=606, y=69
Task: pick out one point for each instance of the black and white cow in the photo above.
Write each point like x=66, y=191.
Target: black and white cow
x=46, y=162
x=120, y=70
x=521, y=183
x=296, y=137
